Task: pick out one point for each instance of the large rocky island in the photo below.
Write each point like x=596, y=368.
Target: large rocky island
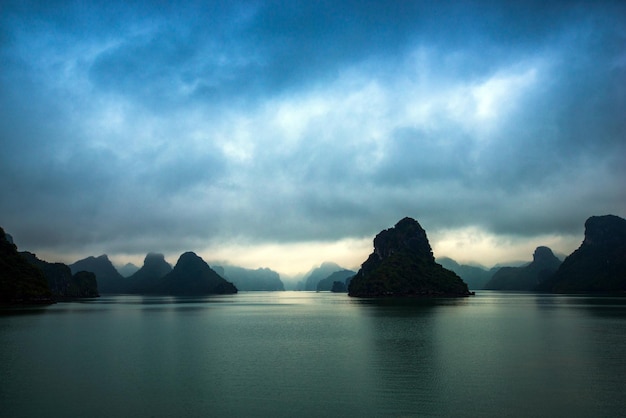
x=599, y=264
x=402, y=265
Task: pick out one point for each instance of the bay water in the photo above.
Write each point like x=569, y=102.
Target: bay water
x=299, y=354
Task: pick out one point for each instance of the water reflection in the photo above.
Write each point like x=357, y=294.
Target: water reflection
x=23, y=310
x=317, y=354
x=399, y=339
x=608, y=306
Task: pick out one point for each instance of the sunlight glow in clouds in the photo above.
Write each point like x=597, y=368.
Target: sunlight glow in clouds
x=500, y=92
x=467, y=245
x=294, y=258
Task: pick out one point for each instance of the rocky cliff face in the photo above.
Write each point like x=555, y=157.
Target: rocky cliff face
x=62, y=283
x=529, y=277
x=599, y=264
x=20, y=282
x=403, y=264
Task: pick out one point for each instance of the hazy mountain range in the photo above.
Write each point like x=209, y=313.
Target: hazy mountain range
x=527, y=277
x=190, y=276
x=341, y=276
x=127, y=269
x=317, y=274
x=109, y=279
x=402, y=263
x=251, y=280
x=475, y=277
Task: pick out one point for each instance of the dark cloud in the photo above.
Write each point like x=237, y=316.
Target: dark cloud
x=129, y=128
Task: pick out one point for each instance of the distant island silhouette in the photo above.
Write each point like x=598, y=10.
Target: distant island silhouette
x=329, y=283
x=109, y=280
x=261, y=279
x=599, y=264
x=402, y=264
x=476, y=277
x=192, y=276
x=527, y=277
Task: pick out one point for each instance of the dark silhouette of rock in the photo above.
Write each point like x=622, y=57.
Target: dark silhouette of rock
x=58, y=275
x=319, y=273
x=109, y=280
x=62, y=283
x=339, y=287
x=147, y=277
x=84, y=285
x=475, y=277
x=338, y=276
x=192, y=276
x=261, y=279
x=599, y=264
x=528, y=277
x=20, y=282
x=402, y=264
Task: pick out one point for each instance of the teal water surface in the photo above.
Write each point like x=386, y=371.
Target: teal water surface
x=316, y=354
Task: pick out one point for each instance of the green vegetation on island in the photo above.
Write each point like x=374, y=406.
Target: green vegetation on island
x=402, y=264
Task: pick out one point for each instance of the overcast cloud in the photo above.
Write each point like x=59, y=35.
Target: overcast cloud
x=248, y=126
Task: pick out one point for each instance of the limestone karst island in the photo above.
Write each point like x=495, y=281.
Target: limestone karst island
x=401, y=265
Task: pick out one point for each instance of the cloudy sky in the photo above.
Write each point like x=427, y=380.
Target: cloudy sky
x=285, y=133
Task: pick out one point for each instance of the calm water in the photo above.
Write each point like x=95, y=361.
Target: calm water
x=316, y=354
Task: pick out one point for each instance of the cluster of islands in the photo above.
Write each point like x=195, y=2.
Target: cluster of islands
x=402, y=264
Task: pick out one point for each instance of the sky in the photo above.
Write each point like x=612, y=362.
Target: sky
x=283, y=134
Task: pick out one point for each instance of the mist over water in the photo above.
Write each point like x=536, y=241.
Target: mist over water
x=316, y=354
